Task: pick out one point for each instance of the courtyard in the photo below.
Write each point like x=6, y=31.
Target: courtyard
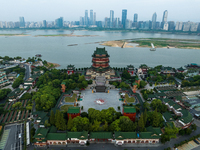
x=100, y=101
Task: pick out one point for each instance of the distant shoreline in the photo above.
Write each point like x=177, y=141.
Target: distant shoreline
x=111, y=30
x=68, y=35
x=158, y=43
x=14, y=35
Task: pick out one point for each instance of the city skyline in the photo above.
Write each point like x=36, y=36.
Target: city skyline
x=34, y=10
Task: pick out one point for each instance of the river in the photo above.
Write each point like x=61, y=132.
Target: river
x=56, y=49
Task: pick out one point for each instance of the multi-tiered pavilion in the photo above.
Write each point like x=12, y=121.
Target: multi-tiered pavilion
x=100, y=60
x=100, y=64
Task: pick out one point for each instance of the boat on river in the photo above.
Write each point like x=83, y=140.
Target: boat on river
x=38, y=55
x=153, y=48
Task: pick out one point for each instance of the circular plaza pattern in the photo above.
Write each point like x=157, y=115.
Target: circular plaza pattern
x=100, y=101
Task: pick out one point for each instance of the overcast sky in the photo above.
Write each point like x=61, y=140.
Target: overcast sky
x=71, y=10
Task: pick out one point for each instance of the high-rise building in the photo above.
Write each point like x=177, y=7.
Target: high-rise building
x=59, y=22
x=124, y=17
x=146, y=25
x=165, y=26
x=44, y=23
x=186, y=26
x=135, y=19
x=157, y=25
x=179, y=25
x=22, y=22
x=154, y=17
x=91, y=17
x=94, y=18
x=128, y=24
x=107, y=22
x=198, y=29
x=99, y=24
x=164, y=20
x=1, y=24
x=81, y=21
x=171, y=25
x=194, y=26
x=111, y=18
x=116, y=22
x=140, y=24
x=86, y=18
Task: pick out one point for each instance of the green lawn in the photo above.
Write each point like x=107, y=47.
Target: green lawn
x=65, y=107
x=163, y=42
x=129, y=99
x=70, y=99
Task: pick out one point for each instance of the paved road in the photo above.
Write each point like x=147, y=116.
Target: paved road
x=27, y=72
x=103, y=146
x=14, y=142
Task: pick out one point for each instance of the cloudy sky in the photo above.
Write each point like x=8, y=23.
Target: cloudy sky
x=71, y=10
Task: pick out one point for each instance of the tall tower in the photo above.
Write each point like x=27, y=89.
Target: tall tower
x=164, y=20
x=91, y=17
x=94, y=23
x=44, y=23
x=111, y=18
x=124, y=17
x=100, y=60
x=135, y=18
x=86, y=18
x=22, y=22
x=59, y=22
x=154, y=17
x=117, y=23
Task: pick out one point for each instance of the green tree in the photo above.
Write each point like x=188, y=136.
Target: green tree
x=194, y=127
x=146, y=105
x=80, y=124
x=96, y=126
x=29, y=107
x=57, y=118
x=126, y=125
x=114, y=126
x=156, y=103
x=32, y=134
x=126, y=74
x=94, y=115
x=105, y=126
x=141, y=125
x=124, y=85
x=52, y=118
x=17, y=104
x=18, y=81
x=156, y=121
x=47, y=124
x=70, y=123
x=145, y=117
x=142, y=84
x=188, y=131
x=108, y=114
x=4, y=93
x=63, y=125
x=84, y=114
x=26, y=96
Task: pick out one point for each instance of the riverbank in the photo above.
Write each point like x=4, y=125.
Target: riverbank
x=167, y=43
x=109, y=30
x=68, y=35
x=122, y=44
x=158, y=43
x=14, y=35
x=50, y=65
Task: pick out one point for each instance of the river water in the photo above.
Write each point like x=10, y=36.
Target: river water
x=56, y=49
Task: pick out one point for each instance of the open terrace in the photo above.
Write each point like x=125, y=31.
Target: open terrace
x=100, y=101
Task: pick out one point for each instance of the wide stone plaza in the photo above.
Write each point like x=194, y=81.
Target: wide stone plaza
x=100, y=101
